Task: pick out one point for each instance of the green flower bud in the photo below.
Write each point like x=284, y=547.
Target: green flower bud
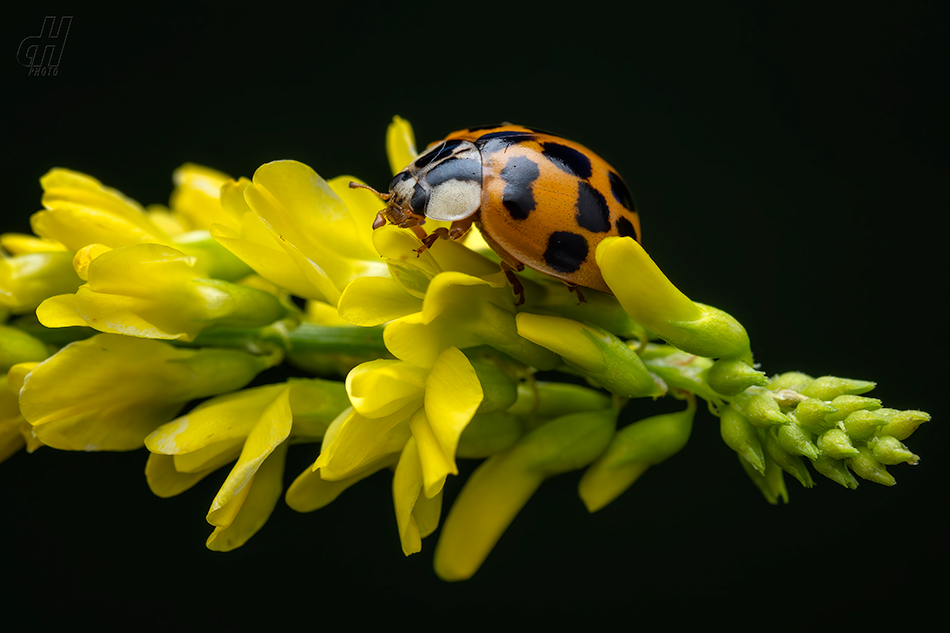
x=760, y=408
x=862, y=424
x=548, y=400
x=846, y=405
x=811, y=413
x=830, y=387
x=792, y=464
x=739, y=435
x=901, y=424
x=867, y=467
x=835, y=443
x=16, y=346
x=593, y=351
x=732, y=376
x=794, y=380
x=796, y=441
x=771, y=483
x=500, y=390
x=715, y=334
x=632, y=451
x=835, y=470
x=890, y=450
x=489, y=433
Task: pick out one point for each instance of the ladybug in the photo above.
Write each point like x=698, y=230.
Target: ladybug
x=538, y=200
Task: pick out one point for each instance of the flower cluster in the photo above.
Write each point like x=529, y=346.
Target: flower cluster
x=118, y=318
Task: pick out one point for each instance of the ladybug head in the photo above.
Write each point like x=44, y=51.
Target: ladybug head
x=400, y=202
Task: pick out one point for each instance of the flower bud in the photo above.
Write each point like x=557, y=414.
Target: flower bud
x=739, y=435
x=811, y=413
x=16, y=346
x=901, y=424
x=652, y=300
x=489, y=433
x=830, y=387
x=792, y=464
x=835, y=443
x=500, y=390
x=796, y=441
x=760, y=408
x=732, y=376
x=847, y=404
x=835, y=470
x=770, y=482
x=794, y=380
x=593, y=351
x=890, y=450
x=632, y=451
x=862, y=424
x=867, y=467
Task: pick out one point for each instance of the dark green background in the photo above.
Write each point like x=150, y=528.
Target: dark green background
x=789, y=161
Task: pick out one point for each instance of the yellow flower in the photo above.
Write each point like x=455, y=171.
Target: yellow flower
x=253, y=426
x=154, y=291
x=29, y=278
x=652, y=300
x=109, y=391
x=393, y=402
x=305, y=235
x=81, y=211
x=15, y=432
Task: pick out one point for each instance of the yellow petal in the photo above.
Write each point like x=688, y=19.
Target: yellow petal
x=381, y=387
x=370, y=301
x=164, y=481
x=270, y=431
x=257, y=502
x=361, y=441
x=400, y=144
x=227, y=417
x=643, y=290
x=310, y=491
x=453, y=394
x=407, y=484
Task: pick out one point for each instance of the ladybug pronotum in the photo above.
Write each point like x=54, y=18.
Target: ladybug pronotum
x=539, y=200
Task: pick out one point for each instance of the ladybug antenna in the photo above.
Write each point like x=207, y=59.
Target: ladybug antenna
x=359, y=185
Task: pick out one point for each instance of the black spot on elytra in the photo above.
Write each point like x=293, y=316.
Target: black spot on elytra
x=625, y=228
x=619, y=189
x=519, y=175
x=592, y=211
x=566, y=251
x=568, y=159
x=455, y=169
x=420, y=197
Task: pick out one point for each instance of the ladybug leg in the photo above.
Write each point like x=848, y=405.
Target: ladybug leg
x=516, y=286
x=576, y=290
x=458, y=229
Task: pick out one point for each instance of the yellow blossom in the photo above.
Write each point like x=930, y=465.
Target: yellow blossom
x=253, y=426
x=393, y=402
x=154, y=291
x=109, y=391
x=300, y=232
